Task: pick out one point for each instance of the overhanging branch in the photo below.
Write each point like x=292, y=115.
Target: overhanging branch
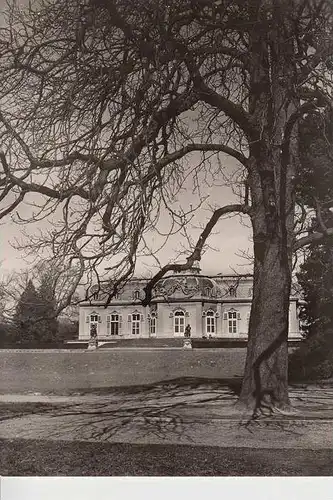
x=176, y=155
x=196, y=254
x=316, y=237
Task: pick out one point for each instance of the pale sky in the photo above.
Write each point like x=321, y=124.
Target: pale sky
x=230, y=238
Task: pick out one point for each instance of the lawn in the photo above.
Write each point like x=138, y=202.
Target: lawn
x=63, y=372
x=47, y=458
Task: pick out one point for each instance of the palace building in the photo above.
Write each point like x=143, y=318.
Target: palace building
x=214, y=306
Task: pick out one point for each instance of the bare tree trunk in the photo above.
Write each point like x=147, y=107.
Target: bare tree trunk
x=265, y=382
x=273, y=163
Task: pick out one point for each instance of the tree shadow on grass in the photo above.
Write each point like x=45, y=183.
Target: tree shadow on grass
x=177, y=384
x=158, y=409
x=167, y=409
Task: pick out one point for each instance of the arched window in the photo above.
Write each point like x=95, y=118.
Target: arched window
x=136, y=317
x=232, y=291
x=152, y=324
x=210, y=323
x=137, y=294
x=232, y=321
x=94, y=319
x=113, y=324
x=179, y=323
x=207, y=291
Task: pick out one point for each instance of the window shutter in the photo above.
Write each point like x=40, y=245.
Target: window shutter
x=238, y=316
x=129, y=318
x=99, y=319
x=120, y=321
x=87, y=319
x=225, y=316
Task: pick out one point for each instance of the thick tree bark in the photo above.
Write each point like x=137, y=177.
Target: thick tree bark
x=265, y=382
x=272, y=164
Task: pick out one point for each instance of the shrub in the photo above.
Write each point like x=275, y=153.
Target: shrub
x=313, y=359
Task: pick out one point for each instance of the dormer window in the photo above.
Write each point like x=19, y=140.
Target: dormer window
x=95, y=293
x=232, y=291
x=137, y=294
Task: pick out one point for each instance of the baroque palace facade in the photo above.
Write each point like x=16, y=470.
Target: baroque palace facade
x=214, y=306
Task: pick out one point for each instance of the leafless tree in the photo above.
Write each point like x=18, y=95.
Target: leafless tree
x=108, y=107
x=62, y=287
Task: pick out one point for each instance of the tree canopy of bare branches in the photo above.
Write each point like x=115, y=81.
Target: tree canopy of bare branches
x=103, y=102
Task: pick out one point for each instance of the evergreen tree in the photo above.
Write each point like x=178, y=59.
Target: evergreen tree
x=35, y=319
x=316, y=280
x=314, y=358
x=48, y=323
x=25, y=319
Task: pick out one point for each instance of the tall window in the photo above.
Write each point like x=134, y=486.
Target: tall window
x=135, y=324
x=232, y=322
x=136, y=294
x=152, y=325
x=113, y=324
x=210, y=323
x=179, y=323
x=94, y=320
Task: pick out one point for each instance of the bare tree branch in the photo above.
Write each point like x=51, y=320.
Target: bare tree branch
x=196, y=253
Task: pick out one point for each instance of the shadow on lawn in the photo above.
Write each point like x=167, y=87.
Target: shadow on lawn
x=156, y=409
x=177, y=384
x=165, y=409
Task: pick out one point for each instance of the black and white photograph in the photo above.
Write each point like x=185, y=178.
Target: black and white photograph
x=166, y=243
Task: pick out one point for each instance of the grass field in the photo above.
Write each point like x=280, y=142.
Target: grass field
x=139, y=375
x=63, y=372
x=47, y=458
